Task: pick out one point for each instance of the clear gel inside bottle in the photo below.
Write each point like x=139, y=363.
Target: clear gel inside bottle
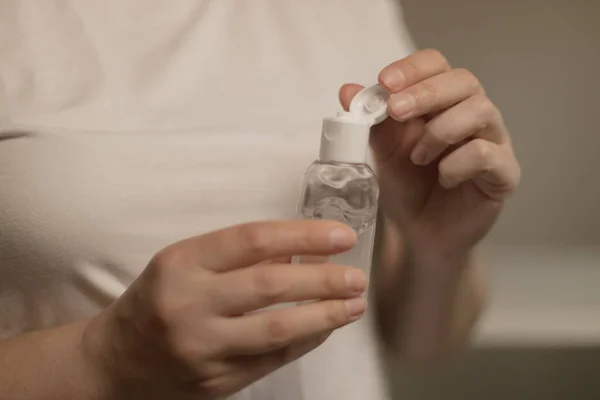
x=347, y=193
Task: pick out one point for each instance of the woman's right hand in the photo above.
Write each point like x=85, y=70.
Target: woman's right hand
x=186, y=329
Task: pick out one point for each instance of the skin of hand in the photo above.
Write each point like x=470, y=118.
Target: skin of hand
x=194, y=325
x=445, y=165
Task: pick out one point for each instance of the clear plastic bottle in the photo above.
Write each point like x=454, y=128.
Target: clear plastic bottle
x=340, y=185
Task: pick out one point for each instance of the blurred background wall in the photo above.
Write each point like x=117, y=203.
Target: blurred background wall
x=540, y=62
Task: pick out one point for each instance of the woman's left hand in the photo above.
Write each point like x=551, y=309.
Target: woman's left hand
x=444, y=159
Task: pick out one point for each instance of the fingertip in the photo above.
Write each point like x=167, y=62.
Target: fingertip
x=347, y=93
x=391, y=78
x=356, y=280
x=342, y=237
x=446, y=183
x=356, y=307
x=419, y=155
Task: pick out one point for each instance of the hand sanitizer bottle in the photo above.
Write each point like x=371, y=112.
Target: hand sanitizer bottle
x=340, y=185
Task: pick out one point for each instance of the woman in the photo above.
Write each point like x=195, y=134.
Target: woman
x=130, y=125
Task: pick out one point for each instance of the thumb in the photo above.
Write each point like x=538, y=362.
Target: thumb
x=347, y=93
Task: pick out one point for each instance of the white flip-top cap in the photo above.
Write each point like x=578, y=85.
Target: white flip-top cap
x=345, y=138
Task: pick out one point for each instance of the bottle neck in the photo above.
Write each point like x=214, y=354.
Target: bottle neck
x=344, y=142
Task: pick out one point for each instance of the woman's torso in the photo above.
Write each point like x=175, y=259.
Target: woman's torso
x=127, y=125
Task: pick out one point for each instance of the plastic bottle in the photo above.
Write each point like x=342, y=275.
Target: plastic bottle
x=340, y=185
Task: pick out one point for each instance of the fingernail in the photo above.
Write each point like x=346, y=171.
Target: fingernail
x=445, y=183
x=402, y=105
x=356, y=280
x=419, y=155
x=342, y=238
x=356, y=306
x=392, y=78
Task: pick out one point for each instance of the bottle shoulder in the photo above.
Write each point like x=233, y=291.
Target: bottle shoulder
x=359, y=171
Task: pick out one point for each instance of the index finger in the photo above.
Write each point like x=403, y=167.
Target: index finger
x=413, y=69
x=248, y=244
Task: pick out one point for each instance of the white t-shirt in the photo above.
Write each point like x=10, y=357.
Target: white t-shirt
x=126, y=125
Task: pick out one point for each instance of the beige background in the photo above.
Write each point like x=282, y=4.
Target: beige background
x=540, y=62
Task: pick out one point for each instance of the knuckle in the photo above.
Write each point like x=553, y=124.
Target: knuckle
x=434, y=134
x=514, y=174
x=336, y=313
x=436, y=56
x=161, y=315
x=267, y=286
x=257, y=238
x=184, y=350
x=409, y=67
x=196, y=344
x=518, y=172
x=333, y=280
x=156, y=292
x=216, y=295
x=278, y=332
x=483, y=153
x=468, y=78
x=485, y=109
x=166, y=258
x=445, y=171
x=428, y=92
x=517, y=179
x=164, y=315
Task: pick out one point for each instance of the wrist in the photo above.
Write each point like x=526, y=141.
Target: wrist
x=121, y=360
x=428, y=296
x=112, y=356
x=431, y=257
x=95, y=359
x=426, y=248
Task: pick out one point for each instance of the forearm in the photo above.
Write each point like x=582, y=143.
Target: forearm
x=427, y=303
x=47, y=365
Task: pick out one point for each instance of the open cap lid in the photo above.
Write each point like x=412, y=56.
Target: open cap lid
x=345, y=138
x=370, y=105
